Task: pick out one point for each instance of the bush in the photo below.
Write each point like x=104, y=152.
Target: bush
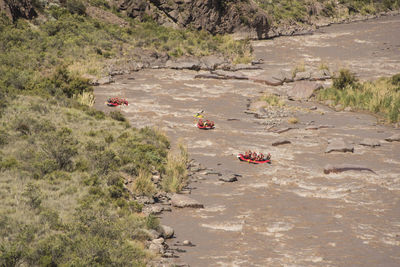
x=61, y=146
x=344, y=79
x=272, y=100
x=97, y=114
x=380, y=96
x=33, y=195
x=176, y=174
x=143, y=186
x=395, y=80
x=4, y=137
x=76, y=7
x=8, y=163
x=117, y=115
x=106, y=161
x=70, y=85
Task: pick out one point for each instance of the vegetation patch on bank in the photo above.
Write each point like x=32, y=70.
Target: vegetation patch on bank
x=68, y=178
x=304, y=11
x=381, y=96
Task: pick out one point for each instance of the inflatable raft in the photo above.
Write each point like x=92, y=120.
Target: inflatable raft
x=205, y=127
x=242, y=158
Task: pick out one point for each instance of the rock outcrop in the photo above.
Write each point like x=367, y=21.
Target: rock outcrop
x=243, y=18
x=15, y=9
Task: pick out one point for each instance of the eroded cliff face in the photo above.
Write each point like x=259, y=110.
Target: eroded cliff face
x=241, y=17
x=17, y=9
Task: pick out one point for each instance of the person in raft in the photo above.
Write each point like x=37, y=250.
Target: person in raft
x=206, y=123
x=254, y=156
x=200, y=123
x=209, y=123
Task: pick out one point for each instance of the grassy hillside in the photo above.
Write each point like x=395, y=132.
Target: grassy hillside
x=62, y=173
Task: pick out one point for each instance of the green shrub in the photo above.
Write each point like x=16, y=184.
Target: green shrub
x=61, y=146
x=33, y=195
x=152, y=222
x=50, y=217
x=97, y=114
x=70, y=85
x=4, y=137
x=76, y=7
x=395, y=80
x=344, y=79
x=8, y=163
x=117, y=115
x=106, y=161
x=58, y=176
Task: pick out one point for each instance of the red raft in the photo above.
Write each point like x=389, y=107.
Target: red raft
x=115, y=101
x=205, y=125
x=242, y=158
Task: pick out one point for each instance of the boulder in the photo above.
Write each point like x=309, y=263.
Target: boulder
x=184, y=63
x=18, y=9
x=156, y=248
x=304, y=75
x=211, y=62
x=230, y=75
x=210, y=76
x=279, y=131
x=229, y=179
x=182, y=201
x=257, y=61
x=393, y=138
x=268, y=80
x=316, y=127
x=153, y=234
x=243, y=18
x=244, y=67
x=283, y=76
x=339, y=145
x=369, y=142
x=166, y=231
x=105, y=80
x=344, y=167
x=153, y=209
x=187, y=243
x=320, y=75
x=303, y=90
x=159, y=241
x=280, y=142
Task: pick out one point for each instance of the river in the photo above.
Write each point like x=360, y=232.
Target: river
x=288, y=213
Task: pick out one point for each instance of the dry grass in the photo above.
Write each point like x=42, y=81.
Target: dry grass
x=176, y=174
x=272, y=100
x=143, y=186
x=293, y=120
x=381, y=96
x=300, y=67
x=85, y=98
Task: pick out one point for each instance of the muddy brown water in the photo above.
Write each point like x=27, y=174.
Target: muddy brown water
x=288, y=213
